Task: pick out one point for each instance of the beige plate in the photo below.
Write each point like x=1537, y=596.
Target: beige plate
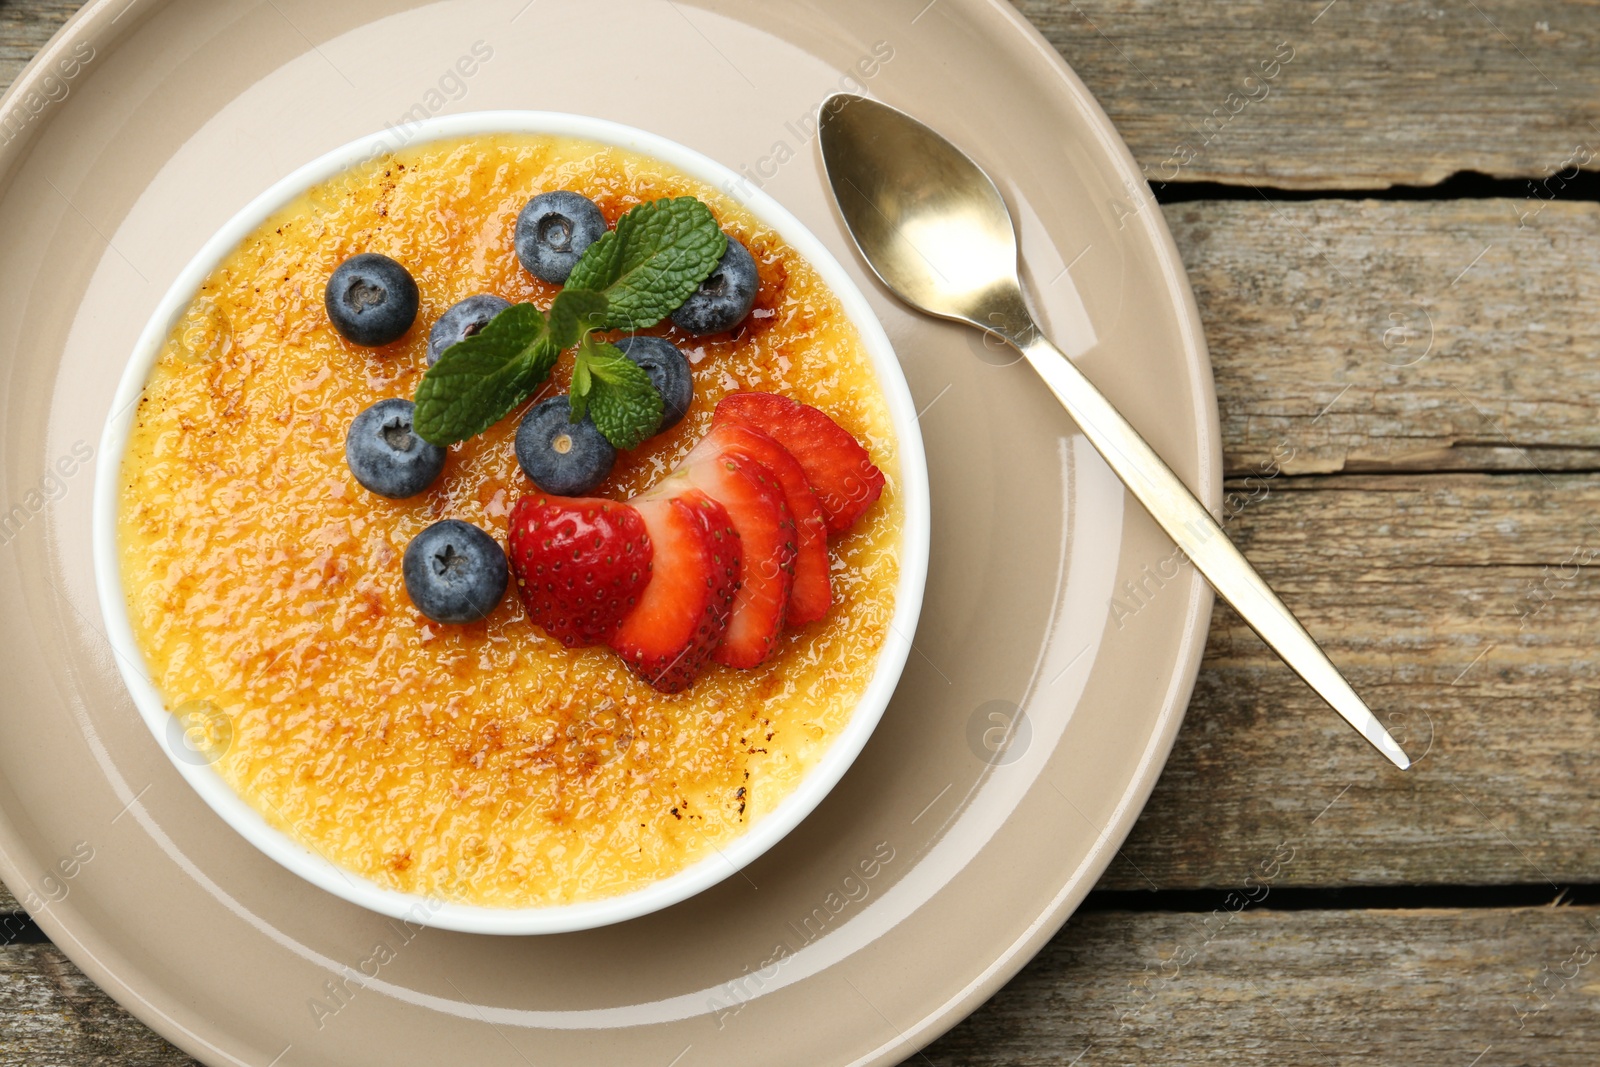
x=965, y=833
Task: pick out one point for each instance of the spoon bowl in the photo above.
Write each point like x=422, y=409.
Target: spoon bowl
x=940, y=233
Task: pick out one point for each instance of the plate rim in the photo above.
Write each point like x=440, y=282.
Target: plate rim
x=94, y=21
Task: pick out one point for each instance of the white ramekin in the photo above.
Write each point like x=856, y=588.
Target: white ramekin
x=913, y=487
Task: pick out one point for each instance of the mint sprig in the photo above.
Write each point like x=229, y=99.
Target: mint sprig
x=633, y=277
x=658, y=254
x=616, y=393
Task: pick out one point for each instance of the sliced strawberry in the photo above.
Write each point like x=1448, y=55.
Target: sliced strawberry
x=683, y=613
x=837, y=466
x=756, y=506
x=812, y=594
x=580, y=564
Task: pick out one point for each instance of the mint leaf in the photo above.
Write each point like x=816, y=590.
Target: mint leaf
x=616, y=393
x=478, y=380
x=574, y=312
x=658, y=254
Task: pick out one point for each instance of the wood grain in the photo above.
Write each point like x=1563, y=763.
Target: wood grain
x=1374, y=94
x=1219, y=987
x=1367, y=335
x=50, y=1013
x=1463, y=608
x=25, y=26
x=1325, y=988
x=1380, y=336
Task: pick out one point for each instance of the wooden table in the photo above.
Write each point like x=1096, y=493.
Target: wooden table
x=1398, y=266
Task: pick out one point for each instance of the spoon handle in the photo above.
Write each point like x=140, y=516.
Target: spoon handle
x=1200, y=537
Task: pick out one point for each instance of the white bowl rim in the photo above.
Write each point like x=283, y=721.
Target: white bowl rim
x=763, y=834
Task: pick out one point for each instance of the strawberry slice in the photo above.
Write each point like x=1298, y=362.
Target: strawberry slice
x=683, y=612
x=812, y=594
x=756, y=506
x=580, y=564
x=837, y=466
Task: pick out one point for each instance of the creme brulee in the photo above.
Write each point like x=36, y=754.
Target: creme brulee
x=482, y=764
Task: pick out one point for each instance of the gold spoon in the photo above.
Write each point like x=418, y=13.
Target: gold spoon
x=932, y=225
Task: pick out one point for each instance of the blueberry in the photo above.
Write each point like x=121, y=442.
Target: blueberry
x=723, y=299
x=669, y=373
x=371, y=299
x=553, y=230
x=386, y=455
x=561, y=456
x=455, y=572
x=462, y=320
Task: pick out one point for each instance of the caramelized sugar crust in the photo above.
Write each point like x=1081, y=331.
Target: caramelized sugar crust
x=483, y=764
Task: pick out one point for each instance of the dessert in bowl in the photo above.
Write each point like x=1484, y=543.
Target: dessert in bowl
x=516, y=531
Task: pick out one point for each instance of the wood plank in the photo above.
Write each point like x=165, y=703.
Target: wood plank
x=54, y=1015
x=1315, y=311
x=1313, y=987
x=1374, y=94
x=1465, y=607
x=1461, y=604
x=1217, y=988
x=1381, y=336
x=25, y=26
